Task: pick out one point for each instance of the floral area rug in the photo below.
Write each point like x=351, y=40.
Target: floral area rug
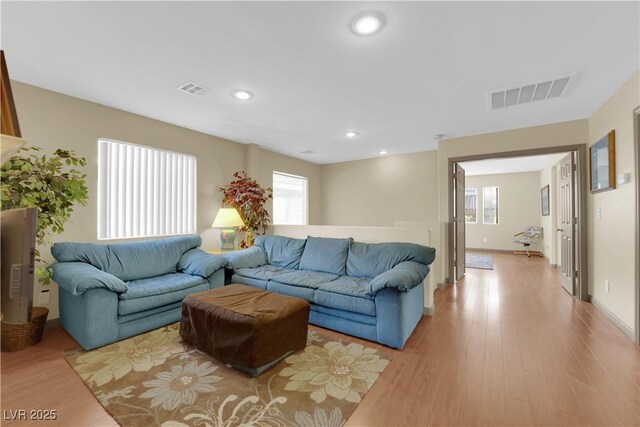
x=156, y=379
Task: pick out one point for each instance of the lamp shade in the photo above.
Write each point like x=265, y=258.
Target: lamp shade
x=227, y=218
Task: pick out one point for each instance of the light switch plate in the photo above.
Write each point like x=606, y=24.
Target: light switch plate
x=598, y=213
x=624, y=178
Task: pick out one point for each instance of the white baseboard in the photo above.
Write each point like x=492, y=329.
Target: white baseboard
x=613, y=318
x=429, y=311
x=441, y=285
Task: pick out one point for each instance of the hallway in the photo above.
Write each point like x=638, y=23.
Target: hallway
x=509, y=346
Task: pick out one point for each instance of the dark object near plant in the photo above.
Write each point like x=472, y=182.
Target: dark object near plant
x=249, y=198
x=50, y=184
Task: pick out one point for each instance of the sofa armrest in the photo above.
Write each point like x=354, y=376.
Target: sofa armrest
x=79, y=277
x=403, y=277
x=246, y=258
x=200, y=263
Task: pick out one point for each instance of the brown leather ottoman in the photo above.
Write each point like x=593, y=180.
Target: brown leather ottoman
x=249, y=328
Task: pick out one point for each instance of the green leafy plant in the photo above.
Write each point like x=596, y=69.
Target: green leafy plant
x=51, y=184
x=250, y=199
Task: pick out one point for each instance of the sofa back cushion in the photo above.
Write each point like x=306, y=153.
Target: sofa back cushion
x=371, y=259
x=325, y=254
x=281, y=251
x=129, y=261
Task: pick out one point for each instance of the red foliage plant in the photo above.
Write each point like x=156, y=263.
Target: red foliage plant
x=250, y=199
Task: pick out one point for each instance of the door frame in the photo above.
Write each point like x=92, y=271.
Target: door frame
x=581, y=191
x=636, y=136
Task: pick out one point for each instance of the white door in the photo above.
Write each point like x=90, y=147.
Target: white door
x=567, y=222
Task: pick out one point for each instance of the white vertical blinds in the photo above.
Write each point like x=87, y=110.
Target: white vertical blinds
x=289, y=199
x=490, y=205
x=144, y=192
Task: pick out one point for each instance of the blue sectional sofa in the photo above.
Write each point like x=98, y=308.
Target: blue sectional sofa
x=111, y=292
x=372, y=291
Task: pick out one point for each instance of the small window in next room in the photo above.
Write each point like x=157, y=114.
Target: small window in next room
x=144, y=192
x=471, y=205
x=289, y=199
x=490, y=205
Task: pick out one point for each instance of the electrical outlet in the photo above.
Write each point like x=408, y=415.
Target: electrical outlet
x=484, y=240
x=44, y=297
x=598, y=213
x=607, y=285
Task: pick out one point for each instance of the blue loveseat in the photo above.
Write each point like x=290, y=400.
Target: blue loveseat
x=373, y=291
x=111, y=292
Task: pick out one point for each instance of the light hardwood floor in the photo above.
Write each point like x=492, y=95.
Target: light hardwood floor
x=505, y=347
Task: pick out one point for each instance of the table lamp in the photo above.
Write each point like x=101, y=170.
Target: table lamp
x=227, y=219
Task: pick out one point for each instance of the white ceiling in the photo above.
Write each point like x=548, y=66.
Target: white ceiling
x=511, y=164
x=427, y=72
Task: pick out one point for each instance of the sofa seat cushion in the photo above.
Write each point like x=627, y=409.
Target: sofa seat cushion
x=293, y=291
x=135, y=305
x=350, y=286
x=305, y=279
x=160, y=285
x=264, y=272
x=347, y=297
x=256, y=283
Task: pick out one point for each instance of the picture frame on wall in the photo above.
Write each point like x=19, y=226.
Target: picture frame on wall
x=544, y=200
x=602, y=163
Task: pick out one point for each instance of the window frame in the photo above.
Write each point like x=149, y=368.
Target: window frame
x=306, y=196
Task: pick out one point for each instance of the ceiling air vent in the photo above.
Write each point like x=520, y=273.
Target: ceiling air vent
x=525, y=94
x=308, y=152
x=193, y=88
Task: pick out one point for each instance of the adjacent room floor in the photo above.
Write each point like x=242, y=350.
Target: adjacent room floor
x=506, y=346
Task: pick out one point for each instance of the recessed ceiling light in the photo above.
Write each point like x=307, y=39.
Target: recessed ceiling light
x=351, y=134
x=382, y=152
x=242, y=95
x=367, y=23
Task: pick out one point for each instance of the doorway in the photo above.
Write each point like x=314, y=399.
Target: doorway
x=498, y=223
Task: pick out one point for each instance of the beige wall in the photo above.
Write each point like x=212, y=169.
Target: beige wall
x=611, y=239
x=518, y=208
x=52, y=120
x=380, y=191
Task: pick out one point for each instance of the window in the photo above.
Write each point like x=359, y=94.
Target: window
x=490, y=205
x=471, y=205
x=289, y=199
x=144, y=192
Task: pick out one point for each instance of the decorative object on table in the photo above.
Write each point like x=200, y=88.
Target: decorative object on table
x=479, y=261
x=544, y=200
x=52, y=184
x=156, y=379
x=527, y=238
x=227, y=219
x=250, y=199
x=602, y=163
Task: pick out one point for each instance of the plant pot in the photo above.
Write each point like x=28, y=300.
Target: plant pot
x=17, y=336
